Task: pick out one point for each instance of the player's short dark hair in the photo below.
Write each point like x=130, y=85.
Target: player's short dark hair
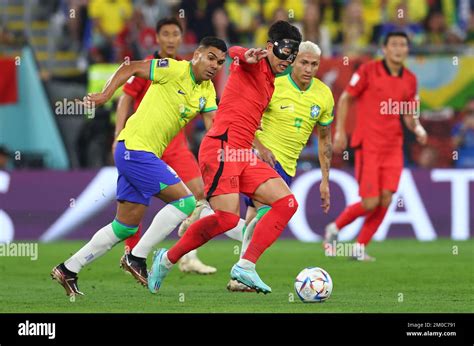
x=212, y=41
x=282, y=29
x=395, y=34
x=167, y=21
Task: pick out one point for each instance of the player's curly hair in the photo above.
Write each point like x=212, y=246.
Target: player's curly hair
x=211, y=41
x=282, y=29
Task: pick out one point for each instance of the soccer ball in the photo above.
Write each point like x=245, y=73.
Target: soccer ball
x=313, y=284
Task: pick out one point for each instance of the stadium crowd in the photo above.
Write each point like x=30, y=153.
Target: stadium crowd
x=109, y=31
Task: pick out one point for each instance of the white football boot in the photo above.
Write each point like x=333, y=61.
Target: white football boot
x=200, y=205
x=330, y=239
x=190, y=263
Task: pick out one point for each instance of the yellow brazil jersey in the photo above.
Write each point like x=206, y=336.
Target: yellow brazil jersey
x=291, y=116
x=172, y=100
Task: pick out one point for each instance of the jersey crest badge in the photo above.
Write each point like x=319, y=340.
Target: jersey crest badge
x=202, y=103
x=315, y=109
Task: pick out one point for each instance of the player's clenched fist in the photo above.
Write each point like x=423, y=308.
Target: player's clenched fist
x=254, y=55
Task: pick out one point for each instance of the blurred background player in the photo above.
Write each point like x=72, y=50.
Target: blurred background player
x=463, y=138
x=299, y=103
x=169, y=35
x=385, y=90
x=4, y=158
x=180, y=91
x=246, y=95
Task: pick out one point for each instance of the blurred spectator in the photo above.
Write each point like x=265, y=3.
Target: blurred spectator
x=222, y=28
x=189, y=37
x=428, y=157
x=198, y=15
x=437, y=31
x=4, y=157
x=136, y=39
x=294, y=9
x=400, y=21
x=417, y=10
x=243, y=14
x=353, y=32
x=463, y=138
x=77, y=21
x=470, y=28
x=261, y=35
x=314, y=31
x=153, y=10
x=109, y=17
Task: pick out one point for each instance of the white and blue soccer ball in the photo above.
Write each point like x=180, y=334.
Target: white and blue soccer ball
x=313, y=285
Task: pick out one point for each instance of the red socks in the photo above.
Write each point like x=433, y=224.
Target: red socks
x=371, y=224
x=132, y=241
x=271, y=225
x=201, y=232
x=349, y=214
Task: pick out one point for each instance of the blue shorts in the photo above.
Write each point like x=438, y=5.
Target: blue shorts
x=287, y=178
x=141, y=175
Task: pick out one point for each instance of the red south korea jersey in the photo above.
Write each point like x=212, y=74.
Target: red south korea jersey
x=381, y=98
x=247, y=93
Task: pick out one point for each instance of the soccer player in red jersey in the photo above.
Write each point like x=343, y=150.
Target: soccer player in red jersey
x=169, y=35
x=229, y=165
x=384, y=90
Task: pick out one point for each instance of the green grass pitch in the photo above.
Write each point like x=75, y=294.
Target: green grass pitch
x=408, y=276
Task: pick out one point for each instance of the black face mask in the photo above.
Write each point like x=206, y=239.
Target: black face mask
x=286, y=49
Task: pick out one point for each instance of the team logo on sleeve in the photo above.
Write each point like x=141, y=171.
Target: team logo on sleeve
x=315, y=109
x=355, y=78
x=202, y=103
x=163, y=63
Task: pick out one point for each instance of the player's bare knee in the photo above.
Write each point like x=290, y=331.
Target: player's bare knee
x=371, y=203
x=386, y=199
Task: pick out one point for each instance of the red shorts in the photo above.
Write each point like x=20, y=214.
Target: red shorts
x=377, y=170
x=231, y=170
x=178, y=156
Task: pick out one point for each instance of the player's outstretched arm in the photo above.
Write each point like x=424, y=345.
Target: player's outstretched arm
x=340, y=136
x=325, y=156
x=249, y=56
x=123, y=73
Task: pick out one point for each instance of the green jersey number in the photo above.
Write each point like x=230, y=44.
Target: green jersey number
x=298, y=122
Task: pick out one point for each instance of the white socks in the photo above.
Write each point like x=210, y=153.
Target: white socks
x=190, y=255
x=248, y=236
x=236, y=232
x=246, y=264
x=100, y=243
x=166, y=262
x=164, y=222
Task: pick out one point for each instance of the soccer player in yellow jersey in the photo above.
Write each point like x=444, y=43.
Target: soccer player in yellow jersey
x=180, y=90
x=299, y=103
